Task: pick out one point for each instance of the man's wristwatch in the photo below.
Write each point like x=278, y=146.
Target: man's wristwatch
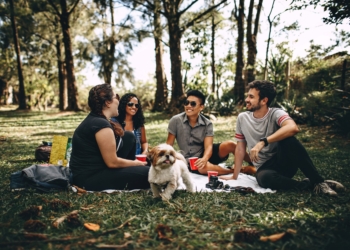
x=265, y=141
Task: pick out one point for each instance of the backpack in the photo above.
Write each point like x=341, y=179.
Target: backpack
x=44, y=177
x=42, y=152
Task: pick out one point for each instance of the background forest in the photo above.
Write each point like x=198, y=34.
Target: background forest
x=44, y=44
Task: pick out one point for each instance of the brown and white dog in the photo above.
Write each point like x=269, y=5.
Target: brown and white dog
x=167, y=168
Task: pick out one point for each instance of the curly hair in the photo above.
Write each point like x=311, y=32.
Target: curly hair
x=138, y=119
x=98, y=96
x=266, y=89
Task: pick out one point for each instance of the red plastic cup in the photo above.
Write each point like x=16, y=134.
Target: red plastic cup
x=192, y=161
x=141, y=157
x=210, y=173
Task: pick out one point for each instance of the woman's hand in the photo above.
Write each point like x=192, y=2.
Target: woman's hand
x=140, y=163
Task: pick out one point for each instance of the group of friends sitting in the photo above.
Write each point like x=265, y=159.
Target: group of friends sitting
x=107, y=140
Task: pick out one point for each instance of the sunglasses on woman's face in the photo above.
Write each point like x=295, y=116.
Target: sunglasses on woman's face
x=192, y=103
x=130, y=104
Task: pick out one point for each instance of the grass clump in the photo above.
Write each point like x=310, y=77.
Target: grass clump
x=189, y=221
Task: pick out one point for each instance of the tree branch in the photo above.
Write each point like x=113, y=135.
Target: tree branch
x=74, y=5
x=149, y=6
x=189, y=6
x=166, y=13
x=257, y=17
x=55, y=8
x=191, y=23
x=234, y=11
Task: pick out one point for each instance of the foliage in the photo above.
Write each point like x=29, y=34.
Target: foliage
x=315, y=99
x=338, y=10
x=224, y=106
x=143, y=89
x=196, y=221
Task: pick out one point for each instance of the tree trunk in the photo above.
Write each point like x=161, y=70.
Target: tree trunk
x=287, y=77
x=109, y=49
x=239, y=88
x=343, y=76
x=62, y=81
x=73, y=103
x=21, y=94
x=268, y=40
x=213, y=72
x=177, y=93
x=161, y=95
x=252, y=39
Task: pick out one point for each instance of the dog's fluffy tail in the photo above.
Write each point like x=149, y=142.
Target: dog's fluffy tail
x=180, y=157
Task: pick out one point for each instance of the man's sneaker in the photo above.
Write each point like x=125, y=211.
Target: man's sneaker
x=324, y=188
x=336, y=186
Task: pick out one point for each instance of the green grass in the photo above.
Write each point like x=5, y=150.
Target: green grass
x=196, y=221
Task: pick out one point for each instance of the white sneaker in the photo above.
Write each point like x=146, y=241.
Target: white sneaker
x=336, y=186
x=324, y=188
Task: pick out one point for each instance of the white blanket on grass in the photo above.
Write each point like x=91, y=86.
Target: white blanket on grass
x=200, y=181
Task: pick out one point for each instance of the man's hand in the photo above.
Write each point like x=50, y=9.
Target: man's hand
x=201, y=163
x=254, y=152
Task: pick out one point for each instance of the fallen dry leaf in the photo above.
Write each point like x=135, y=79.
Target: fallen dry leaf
x=73, y=220
x=32, y=211
x=56, y=204
x=279, y=236
x=35, y=236
x=34, y=225
x=80, y=190
x=57, y=222
x=92, y=226
x=127, y=235
x=273, y=237
x=123, y=246
x=162, y=231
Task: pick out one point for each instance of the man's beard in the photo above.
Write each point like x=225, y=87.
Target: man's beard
x=254, y=108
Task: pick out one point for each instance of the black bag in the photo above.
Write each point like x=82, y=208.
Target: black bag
x=42, y=153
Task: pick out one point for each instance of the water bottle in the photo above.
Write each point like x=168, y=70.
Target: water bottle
x=69, y=151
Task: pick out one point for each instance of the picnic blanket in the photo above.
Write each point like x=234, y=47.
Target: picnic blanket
x=200, y=181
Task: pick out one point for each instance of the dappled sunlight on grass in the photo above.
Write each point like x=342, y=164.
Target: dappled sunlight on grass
x=196, y=221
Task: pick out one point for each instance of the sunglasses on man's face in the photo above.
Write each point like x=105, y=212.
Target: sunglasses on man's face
x=130, y=104
x=192, y=103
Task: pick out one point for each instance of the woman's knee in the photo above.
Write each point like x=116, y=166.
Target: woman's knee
x=128, y=136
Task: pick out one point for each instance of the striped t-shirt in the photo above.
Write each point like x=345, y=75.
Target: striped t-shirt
x=251, y=130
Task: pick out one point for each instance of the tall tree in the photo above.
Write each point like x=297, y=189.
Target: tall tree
x=173, y=12
x=161, y=95
x=239, y=88
x=21, y=94
x=56, y=42
x=252, y=34
x=64, y=16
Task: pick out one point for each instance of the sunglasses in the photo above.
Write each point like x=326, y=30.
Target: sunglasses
x=192, y=103
x=130, y=104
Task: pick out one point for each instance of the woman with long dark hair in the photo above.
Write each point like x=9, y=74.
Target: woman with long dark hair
x=94, y=162
x=132, y=119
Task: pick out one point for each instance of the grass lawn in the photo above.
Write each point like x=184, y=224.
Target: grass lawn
x=189, y=221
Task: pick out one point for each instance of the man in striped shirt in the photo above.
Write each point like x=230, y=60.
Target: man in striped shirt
x=275, y=152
